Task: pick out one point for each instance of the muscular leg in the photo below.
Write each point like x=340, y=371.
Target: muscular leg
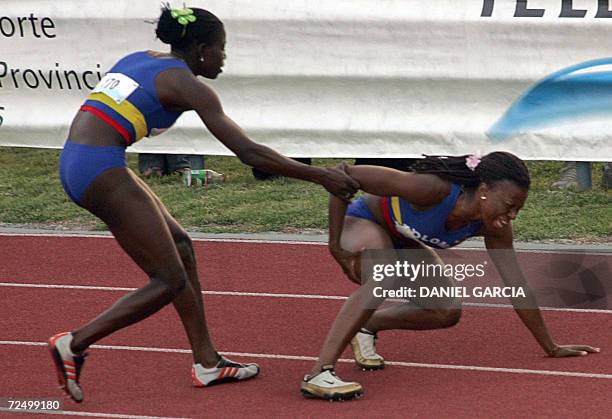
x=353, y=314
x=360, y=310
x=419, y=313
x=412, y=317
x=135, y=220
x=188, y=303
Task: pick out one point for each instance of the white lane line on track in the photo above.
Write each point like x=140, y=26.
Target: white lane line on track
x=92, y=414
x=344, y=360
x=226, y=293
x=195, y=239
x=604, y=251
x=280, y=295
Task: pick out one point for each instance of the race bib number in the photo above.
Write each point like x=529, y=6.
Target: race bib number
x=117, y=86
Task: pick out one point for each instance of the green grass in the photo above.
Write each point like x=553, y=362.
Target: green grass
x=31, y=194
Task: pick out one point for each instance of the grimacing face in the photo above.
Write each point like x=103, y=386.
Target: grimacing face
x=504, y=199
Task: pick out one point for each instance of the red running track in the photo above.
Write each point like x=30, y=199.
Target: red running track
x=265, y=267
x=150, y=382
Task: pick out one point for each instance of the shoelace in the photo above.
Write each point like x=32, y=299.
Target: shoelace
x=329, y=369
x=223, y=362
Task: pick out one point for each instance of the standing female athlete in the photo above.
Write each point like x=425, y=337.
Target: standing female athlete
x=142, y=95
x=443, y=201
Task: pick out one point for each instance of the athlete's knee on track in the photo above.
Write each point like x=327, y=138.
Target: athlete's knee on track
x=449, y=316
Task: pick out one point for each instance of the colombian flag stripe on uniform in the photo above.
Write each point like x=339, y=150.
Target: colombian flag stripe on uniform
x=110, y=121
x=395, y=205
x=384, y=206
x=124, y=113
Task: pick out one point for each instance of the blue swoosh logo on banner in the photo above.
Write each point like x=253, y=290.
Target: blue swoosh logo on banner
x=570, y=94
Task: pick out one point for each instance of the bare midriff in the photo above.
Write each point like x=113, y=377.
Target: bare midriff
x=87, y=128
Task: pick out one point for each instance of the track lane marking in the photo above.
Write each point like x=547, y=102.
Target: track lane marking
x=343, y=360
x=195, y=239
x=603, y=251
x=279, y=295
x=84, y=413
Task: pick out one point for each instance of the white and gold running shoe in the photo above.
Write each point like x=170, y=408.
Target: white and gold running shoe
x=328, y=386
x=364, y=351
x=68, y=365
x=225, y=371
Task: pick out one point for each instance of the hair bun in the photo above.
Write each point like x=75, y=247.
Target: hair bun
x=169, y=31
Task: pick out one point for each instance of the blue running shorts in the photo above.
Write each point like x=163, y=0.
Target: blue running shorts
x=80, y=164
x=358, y=208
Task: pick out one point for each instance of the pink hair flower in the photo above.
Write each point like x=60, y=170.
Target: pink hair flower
x=472, y=161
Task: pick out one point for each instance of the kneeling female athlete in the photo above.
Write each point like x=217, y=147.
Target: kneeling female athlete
x=143, y=94
x=443, y=201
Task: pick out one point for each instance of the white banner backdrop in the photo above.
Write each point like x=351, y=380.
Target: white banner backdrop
x=321, y=78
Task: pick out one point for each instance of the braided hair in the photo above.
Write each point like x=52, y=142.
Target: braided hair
x=493, y=167
x=206, y=28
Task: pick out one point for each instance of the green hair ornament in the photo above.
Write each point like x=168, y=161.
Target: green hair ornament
x=184, y=17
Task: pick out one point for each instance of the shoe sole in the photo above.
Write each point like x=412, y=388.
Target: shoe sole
x=346, y=392
x=225, y=380
x=61, y=371
x=352, y=395
x=365, y=367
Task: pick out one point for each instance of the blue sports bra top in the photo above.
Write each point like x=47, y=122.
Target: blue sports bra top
x=428, y=226
x=126, y=97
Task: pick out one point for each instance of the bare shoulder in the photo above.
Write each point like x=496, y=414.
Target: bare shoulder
x=439, y=187
x=419, y=189
x=179, y=90
x=424, y=189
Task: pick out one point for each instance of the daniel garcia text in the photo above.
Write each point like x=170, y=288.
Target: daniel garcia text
x=453, y=292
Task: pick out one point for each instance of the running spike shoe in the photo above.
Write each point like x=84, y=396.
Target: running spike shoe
x=364, y=351
x=67, y=364
x=225, y=371
x=328, y=386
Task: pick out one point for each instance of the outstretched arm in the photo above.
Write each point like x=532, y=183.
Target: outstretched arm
x=501, y=251
x=179, y=89
x=418, y=189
